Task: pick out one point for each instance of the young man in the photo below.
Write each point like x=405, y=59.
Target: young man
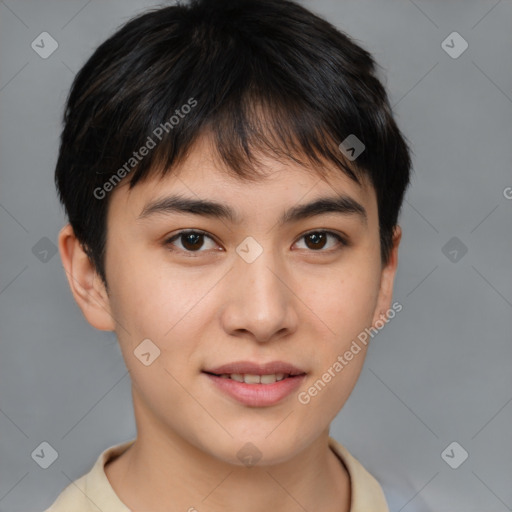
x=233, y=177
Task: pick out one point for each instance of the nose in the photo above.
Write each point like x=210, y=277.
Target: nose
x=259, y=302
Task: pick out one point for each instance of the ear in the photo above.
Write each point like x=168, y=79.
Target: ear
x=85, y=283
x=387, y=279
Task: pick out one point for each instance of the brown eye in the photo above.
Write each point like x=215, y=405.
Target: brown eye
x=191, y=241
x=317, y=240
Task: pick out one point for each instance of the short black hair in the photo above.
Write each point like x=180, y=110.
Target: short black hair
x=258, y=75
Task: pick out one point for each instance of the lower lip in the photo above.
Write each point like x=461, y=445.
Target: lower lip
x=257, y=395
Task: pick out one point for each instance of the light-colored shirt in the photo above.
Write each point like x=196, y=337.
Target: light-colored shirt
x=93, y=491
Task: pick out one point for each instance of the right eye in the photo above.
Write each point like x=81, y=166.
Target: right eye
x=191, y=241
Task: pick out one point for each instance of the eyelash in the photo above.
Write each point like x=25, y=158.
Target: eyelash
x=169, y=241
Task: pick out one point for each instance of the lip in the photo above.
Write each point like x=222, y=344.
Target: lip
x=257, y=395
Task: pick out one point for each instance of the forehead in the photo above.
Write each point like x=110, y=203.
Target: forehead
x=278, y=182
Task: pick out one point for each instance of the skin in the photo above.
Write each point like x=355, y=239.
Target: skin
x=295, y=303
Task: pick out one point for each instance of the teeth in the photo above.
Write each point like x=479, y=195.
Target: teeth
x=248, y=378
x=268, y=379
x=252, y=379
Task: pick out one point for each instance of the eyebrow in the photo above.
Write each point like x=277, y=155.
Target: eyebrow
x=342, y=204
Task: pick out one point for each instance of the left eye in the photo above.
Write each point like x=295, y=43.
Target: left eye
x=318, y=239
x=193, y=241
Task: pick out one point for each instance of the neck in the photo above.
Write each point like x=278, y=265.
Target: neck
x=162, y=471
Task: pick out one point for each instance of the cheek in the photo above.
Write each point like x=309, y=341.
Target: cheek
x=167, y=306
x=342, y=309
x=145, y=296
x=344, y=300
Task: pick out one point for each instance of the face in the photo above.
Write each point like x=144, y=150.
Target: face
x=254, y=292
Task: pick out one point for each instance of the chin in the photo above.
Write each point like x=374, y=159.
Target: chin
x=254, y=450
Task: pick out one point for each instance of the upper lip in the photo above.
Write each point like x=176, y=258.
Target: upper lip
x=248, y=367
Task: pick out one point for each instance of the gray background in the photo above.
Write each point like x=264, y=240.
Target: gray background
x=439, y=372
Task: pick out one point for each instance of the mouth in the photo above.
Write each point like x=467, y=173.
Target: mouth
x=256, y=373
x=248, y=378
x=256, y=385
